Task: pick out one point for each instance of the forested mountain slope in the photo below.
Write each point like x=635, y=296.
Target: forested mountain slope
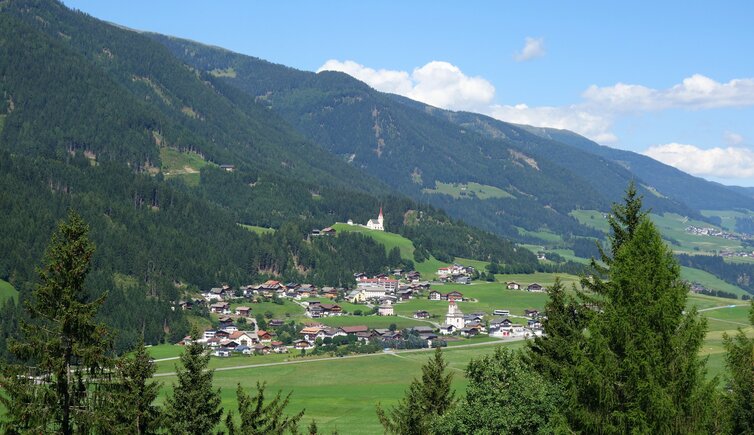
x=87, y=113
x=413, y=147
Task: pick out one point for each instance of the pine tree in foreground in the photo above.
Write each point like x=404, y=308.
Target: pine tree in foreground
x=131, y=405
x=194, y=407
x=636, y=366
x=260, y=418
x=62, y=393
x=740, y=361
x=425, y=400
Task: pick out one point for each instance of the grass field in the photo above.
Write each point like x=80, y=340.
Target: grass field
x=710, y=281
x=468, y=190
x=341, y=393
x=7, y=291
x=258, y=230
x=427, y=268
x=727, y=217
x=185, y=165
x=672, y=227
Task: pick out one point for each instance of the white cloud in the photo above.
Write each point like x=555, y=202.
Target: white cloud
x=437, y=83
x=444, y=85
x=533, y=47
x=733, y=138
x=695, y=92
x=730, y=162
x=574, y=118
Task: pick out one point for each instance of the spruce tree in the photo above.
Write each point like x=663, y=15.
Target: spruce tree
x=554, y=354
x=260, y=418
x=425, y=400
x=131, y=405
x=740, y=363
x=194, y=407
x=63, y=340
x=638, y=368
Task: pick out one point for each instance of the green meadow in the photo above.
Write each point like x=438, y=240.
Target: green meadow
x=258, y=230
x=184, y=165
x=7, y=291
x=468, y=190
x=427, y=268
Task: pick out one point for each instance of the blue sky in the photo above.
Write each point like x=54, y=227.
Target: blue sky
x=671, y=79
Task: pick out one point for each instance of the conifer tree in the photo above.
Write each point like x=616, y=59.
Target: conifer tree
x=63, y=339
x=740, y=362
x=132, y=399
x=194, y=407
x=638, y=368
x=425, y=400
x=260, y=418
x=554, y=354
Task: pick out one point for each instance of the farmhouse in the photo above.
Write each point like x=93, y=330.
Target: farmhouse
x=421, y=314
x=220, y=308
x=243, y=311
x=434, y=295
x=354, y=330
x=534, y=287
x=512, y=285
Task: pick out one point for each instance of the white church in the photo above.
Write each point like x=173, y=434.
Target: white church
x=374, y=224
x=453, y=320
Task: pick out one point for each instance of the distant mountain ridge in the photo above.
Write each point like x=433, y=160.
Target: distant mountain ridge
x=411, y=146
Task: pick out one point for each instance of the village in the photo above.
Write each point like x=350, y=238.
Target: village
x=238, y=328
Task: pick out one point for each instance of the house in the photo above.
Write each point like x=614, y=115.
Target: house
x=244, y=338
x=302, y=345
x=222, y=334
x=470, y=318
x=327, y=231
x=231, y=328
x=413, y=276
x=222, y=352
x=315, y=311
x=329, y=292
x=541, y=256
x=332, y=333
x=214, y=294
x=279, y=347
x=405, y=295
x=421, y=314
x=354, y=330
x=389, y=285
x=422, y=329
x=531, y=313
x=512, y=285
x=463, y=280
x=534, y=287
x=377, y=224
x=443, y=272
x=228, y=168
x=275, y=323
x=264, y=336
x=262, y=349
x=434, y=295
x=447, y=329
x=453, y=296
x=364, y=336
x=311, y=333
x=469, y=332
x=243, y=311
x=220, y=308
x=225, y=321
x=209, y=333
x=331, y=310
x=356, y=296
x=246, y=350
x=386, y=309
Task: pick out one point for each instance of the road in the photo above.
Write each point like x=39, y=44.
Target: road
x=367, y=355
x=722, y=307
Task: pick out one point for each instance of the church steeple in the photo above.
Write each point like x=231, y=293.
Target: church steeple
x=380, y=218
